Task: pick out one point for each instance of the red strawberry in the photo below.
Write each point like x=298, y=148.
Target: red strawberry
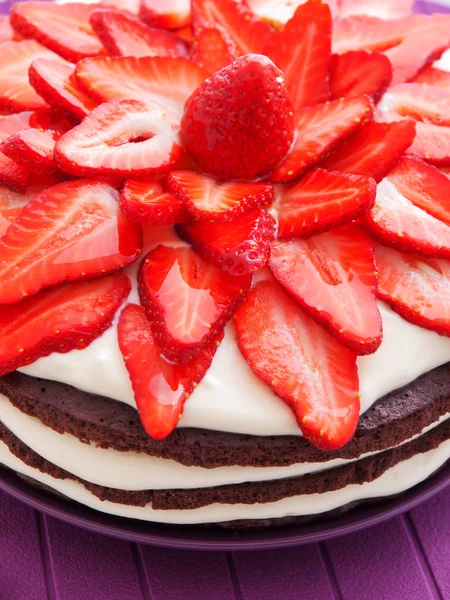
x=187, y=300
x=160, y=387
x=62, y=319
x=360, y=72
x=238, y=247
x=185, y=33
x=302, y=363
x=125, y=35
x=302, y=51
x=169, y=14
x=333, y=277
x=148, y=201
x=322, y=200
x=394, y=9
x=104, y=143
x=11, y=204
x=244, y=31
x=210, y=49
x=165, y=82
x=131, y=6
x=433, y=76
x=239, y=124
x=279, y=12
x=16, y=93
x=432, y=144
x=319, y=130
x=55, y=81
x=416, y=287
x=208, y=198
x=72, y=231
x=373, y=151
x=412, y=210
x=63, y=28
x=416, y=101
x=32, y=148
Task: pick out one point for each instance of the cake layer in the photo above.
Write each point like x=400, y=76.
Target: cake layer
x=138, y=471
x=399, y=476
x=109, y=424
x=242, y=402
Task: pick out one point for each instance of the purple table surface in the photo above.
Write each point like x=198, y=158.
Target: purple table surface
x=406, y=558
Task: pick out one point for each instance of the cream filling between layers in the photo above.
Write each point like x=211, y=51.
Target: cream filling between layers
x=137, y=471
x=394, y=481
x=231, y=397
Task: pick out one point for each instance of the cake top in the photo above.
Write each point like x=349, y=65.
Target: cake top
x=301, y=159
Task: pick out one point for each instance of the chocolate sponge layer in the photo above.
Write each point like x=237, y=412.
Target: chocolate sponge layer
x=110, y=424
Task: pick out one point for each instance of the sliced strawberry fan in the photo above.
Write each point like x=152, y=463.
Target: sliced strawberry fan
x=188, y=301
x=62, y=319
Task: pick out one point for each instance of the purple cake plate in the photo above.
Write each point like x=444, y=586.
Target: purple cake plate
x=215, y=538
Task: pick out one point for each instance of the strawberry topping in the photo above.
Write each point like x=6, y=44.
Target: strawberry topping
x=62, y=319
x=355, y=73
x=210, y=49
x=169, y=14
x=72, y=231
x=333, y=277
x=239, y=122
x=188, y=301
x=208, y=198
x=417, y=288
x=32, y=148
x=149, y=202
x=238, y=247
x=320, y=201
x=302, y=51
x=65, y=29
x=302, y=363
x=125, y=35
x=160, y=387
x=319, y=130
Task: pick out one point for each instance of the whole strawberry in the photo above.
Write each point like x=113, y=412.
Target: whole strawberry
x=239, y=123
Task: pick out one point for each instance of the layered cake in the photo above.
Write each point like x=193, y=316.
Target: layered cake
x=224, y=256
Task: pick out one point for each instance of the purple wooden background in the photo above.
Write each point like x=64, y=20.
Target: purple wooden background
x=407, y=558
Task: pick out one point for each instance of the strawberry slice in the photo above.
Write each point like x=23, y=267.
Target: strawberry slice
x=125, y=35
x=208, y=198
x=415, y=101
x=66, y=318
x=169, y=14
x=148, y=201
x=165, y=82
x=244, y=31
x=360, y=72
x=238, y=247
x=131, y=6
x=319, y=130
x=302, y=51
x=431, y=75
x=432, y=144
x=63, y=28
x=16, y=93
x=55, y=81
x=320, y=201
x=71, y=231
x=210, y=49
x=185, y=33
x=394, y=9
x=412, y=210
x=302, y=363
x=333, y=277
x=416, y=287
x=7, y=33
x=32, y=148
x=104, y=143
x=373, y=151
x=160, y=387
x=188, y=301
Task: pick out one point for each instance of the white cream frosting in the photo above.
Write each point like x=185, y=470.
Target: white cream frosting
x=137, y=471
x=231, y=397
x=398, y=479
